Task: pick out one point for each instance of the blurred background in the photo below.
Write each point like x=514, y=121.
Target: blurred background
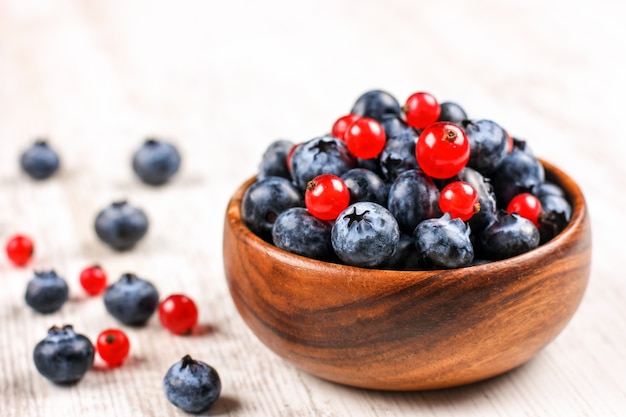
x=223, y=80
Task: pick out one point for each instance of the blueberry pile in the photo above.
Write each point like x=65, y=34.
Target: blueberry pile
x=413, y=186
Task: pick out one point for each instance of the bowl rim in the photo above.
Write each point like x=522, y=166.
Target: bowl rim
x=554, y=174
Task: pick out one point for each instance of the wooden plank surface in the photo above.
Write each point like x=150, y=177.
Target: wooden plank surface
x=224, y=79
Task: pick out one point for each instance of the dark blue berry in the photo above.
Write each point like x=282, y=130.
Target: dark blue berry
x=274, y=160
x=398, y=156
x=508, y=236
x=121, y=225
x=405, y=257
x=518, y=173
x=452, y=112
x=156, y=161
x=364, y=185
x=63, y=356
x=394, y=126
x=488, y=145
x=40, y=161
x=444, y=242
x=192, y=385
x=376, y=104
x=556, y=211
x=413, y=197
x=46, y=292
x=365, y=234
x=263, y=202
x=298, y=231
x=322, y=155
x=131, y=300
x=486, y=199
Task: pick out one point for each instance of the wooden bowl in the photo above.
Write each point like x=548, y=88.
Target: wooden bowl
x=408, y=330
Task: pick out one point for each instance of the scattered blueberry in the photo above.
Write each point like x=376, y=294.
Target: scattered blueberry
x=444, y=242
x=298, y=231
x=321, y=155
x=488, y=145
x=40, y=161
x=486, y=199
x=451, y=112
x=398, y=156
x=192, y=385
x=274, y=160
x=413, y=197
x=265, y=200
x=518, y=173
x=131, y=300
x=365, y=234
x=405, y=258
x=376, y=104
x=63, y=356
x=508, y=236
x=121, y=225
x=365, y=185
x=46, y=292
x=156, y=161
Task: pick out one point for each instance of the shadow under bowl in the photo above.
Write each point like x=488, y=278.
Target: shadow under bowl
x=408, y=330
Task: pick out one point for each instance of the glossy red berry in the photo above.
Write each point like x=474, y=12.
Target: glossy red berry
x=365, y=138
x=326, y=196
x=527, y=206
x=178, y=314
x=341, y=125
x=421, y=110
x=113, y=346
x=459, y=199
x=93, y=279
x=442, y=150
x=20, y=249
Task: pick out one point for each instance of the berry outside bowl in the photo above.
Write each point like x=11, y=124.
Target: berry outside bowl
x=408, y=330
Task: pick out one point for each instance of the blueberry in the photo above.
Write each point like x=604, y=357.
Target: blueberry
x=192, y=385
x=46, y=292
x=365, y=234
x=394, y=126
x=274, y=160
x=121, y=225
x=452, y=112
x=556, y=211
x=376, y=104
x=263, y=202
x=40, y=161
x=63, y=356
x=486, y=199
x=444, y=242
x=405, y=257
x=156, y=161
x=298, y=231
x=519, y=172
x=488, y=145
x=508, y=236
x=364, y=185
x=321, y=155
x=131, y=300
x=398, y=156
x=413, y=197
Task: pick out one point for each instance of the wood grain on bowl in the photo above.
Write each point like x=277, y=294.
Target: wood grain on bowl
x=408, y=330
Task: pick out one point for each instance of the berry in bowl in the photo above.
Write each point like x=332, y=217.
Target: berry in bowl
x=457, y=256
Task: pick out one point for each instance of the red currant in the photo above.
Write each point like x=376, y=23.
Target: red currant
x=178, y=314
x=113, y=346
x=342, y=124
x=365, y=138
x=442, y=150
x=459, y=199
x=527, y=206
x=20, y=249
x=93, y=279
x=326, y=196
x=421, y=110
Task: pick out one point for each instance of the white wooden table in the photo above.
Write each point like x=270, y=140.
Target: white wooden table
x=224, y=79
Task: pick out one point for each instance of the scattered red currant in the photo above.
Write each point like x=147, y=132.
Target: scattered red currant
x=421, y=110
x=527, y=206
x=459, y=199
x=442, y=150
x=326, y=196
x=178, y=314
x=113, y=346
x=20, y=249
x=365, y=138
x=93, y=279
x=342, y=124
